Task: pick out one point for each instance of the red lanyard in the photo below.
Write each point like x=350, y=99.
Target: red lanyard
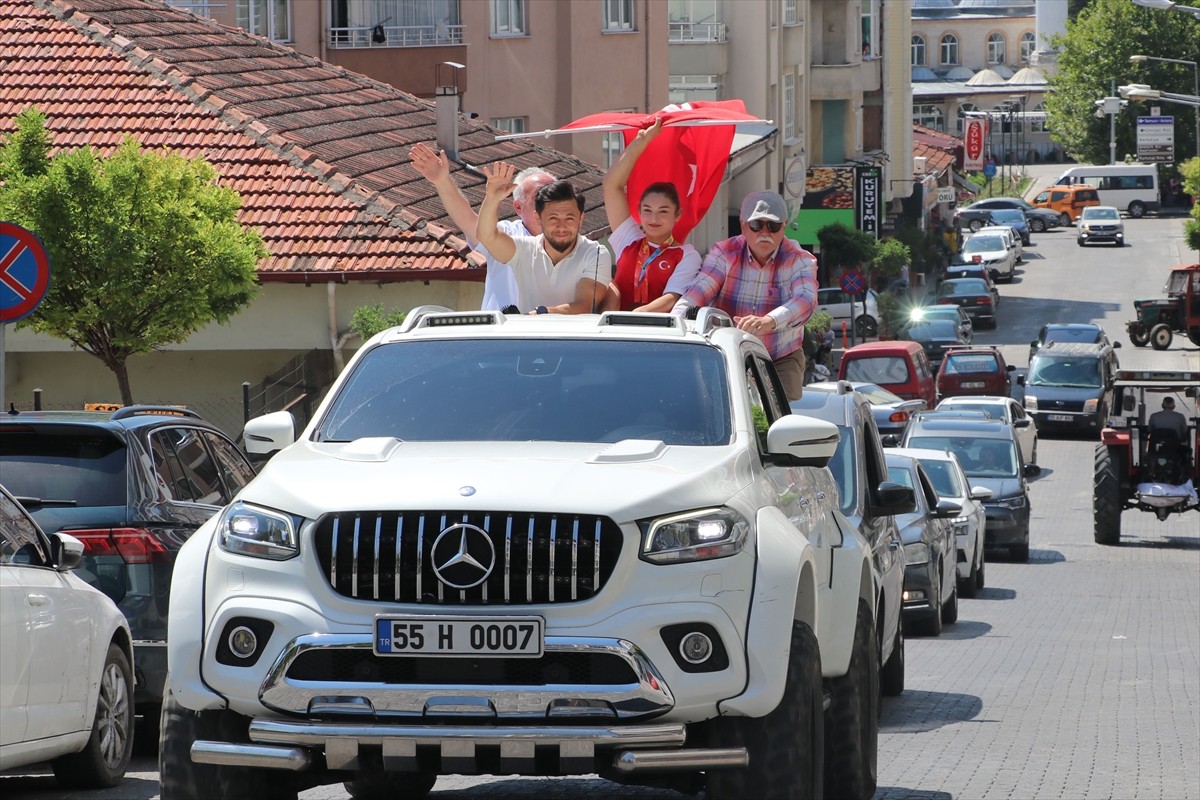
x=641, y=286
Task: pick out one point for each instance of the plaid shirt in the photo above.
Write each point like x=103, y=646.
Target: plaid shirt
x=785, y=289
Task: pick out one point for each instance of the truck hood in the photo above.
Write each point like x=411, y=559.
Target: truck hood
x=624, y=481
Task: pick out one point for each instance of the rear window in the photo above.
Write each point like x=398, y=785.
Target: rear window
x=878, y=369
x=966, y=364
x=64, y=463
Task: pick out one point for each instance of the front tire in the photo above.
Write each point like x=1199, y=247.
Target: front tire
x=103, y=761
x=1106, y=498
x=975, y=225
x=866, y=325
x=182, y=779
x=1037, y=225
x=1064, y=218
x=852, y=750
x=1139, y=336
x=1020, y=553
x=1160, y=336
x=968, y=585
x=787, y=746
x=950, y=607
x=891, y=676
x=979, y=580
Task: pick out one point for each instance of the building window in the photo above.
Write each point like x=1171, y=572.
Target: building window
x=788, y=111
x=618, y=15
x=686, y=88
x=930, y=116
x=791, y=14
x=996, y=48
x=950, y=49
x=963, y=111
x=691, y=21
x=613, y=144
x=918, y=51
x=1028, y=45
x=1037, y=120
x=511, y=124
x=870, y=28
x=508, y=18
x=394, y=23
x=271, y=19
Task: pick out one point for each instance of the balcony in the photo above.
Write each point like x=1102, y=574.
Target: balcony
x=395, y=36
x=696, y=33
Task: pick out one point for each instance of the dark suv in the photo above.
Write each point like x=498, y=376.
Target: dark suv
x=870, y=501
x=1069, y=386
x=132, y=485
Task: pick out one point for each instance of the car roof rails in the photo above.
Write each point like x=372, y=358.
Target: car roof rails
x=709, y=319
x=168, y=411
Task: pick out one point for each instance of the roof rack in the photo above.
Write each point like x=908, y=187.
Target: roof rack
x=133, y=411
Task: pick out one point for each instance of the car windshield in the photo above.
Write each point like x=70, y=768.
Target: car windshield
x=969, y=363
x=64, y=464
x=1101, y=213
x=944, y=478
x=510, y=390
x=1086, y=335
x=962, y=286
x=933, y=329
x=1008, y=215
x=877, y=395
x=993, y=410
x=980, y=457
x=888, y=370
x=980, y=244
x=1070, y=371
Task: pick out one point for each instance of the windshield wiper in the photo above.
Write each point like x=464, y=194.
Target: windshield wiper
x=44, y=501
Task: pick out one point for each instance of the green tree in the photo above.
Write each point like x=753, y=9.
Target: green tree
x=1094, y=55
x=1191, y=185
x=145, y=247
x=845, y=247
x=891, y=257
x=366, y=321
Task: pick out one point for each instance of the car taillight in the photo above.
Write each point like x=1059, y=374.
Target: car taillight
x=898, y=416
x=132, y=545
x=982, y=301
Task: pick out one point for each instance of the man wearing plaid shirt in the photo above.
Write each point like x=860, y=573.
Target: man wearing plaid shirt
x=766, y=282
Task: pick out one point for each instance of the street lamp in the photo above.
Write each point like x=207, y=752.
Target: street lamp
x=1169, y=5
x=1140, y=59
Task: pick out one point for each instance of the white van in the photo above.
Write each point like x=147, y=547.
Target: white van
x=1129, y=187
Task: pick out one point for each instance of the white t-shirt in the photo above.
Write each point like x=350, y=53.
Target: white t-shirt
x=629, y=232
x=499, y=283
x=541, y=282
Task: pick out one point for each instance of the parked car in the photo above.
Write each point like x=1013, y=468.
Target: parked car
x=132, y=485
x=891, y=411
x=1001, y=408
x=901, y=367
x=974, y=370
x=1083, y=332
x=957, y=269
x=1011, y=238
x=951, y=483
x=1069, y=386
x=936, y=336
x=930, y=550
x=1067, y=201
x=1040, y=219
x=837, y=304
x=972, y=295
x=1100, y=224
x=988, y=452
x=65, y=659
x=953, y=313
x=1015, y=219
x=992, y=251
x=870, y=503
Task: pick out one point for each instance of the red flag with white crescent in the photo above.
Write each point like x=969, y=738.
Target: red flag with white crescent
x=690, y=152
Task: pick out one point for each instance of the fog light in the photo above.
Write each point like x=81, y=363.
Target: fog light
x=695, y=648
x=242, y=642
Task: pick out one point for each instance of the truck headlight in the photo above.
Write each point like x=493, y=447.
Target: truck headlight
x=694, y=536
x=916, y=553
x=1031, y=403
x=1090, y=406
x=252, y=531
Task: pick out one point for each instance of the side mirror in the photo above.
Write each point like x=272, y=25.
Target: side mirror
x=947, y=509
x=1034, y=344
x=890, y=440
x=1022, y=423
x=1032, y=470
x=66, y=552
x=980, y=493
x=1116, y=345
x=1009, y=368
x=893, y=499
x=269, y=433
x=799, y=441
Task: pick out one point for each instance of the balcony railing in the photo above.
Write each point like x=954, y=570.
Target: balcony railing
x=395, y=36
x=695, y=32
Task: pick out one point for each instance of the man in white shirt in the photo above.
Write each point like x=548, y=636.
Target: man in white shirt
x=558, y=271
x=499, y=284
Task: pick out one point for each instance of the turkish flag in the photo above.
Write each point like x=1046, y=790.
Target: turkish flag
x=691, y=152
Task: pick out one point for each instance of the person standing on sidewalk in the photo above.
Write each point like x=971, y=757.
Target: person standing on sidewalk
x=766, y=282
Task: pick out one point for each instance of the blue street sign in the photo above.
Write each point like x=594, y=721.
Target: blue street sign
x=852, y=282
x=989, y=169
x=24, y=272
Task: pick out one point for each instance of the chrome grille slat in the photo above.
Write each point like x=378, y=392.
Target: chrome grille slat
x=387, y=556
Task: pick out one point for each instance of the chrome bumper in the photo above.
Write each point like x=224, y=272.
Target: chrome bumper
x=634, y=748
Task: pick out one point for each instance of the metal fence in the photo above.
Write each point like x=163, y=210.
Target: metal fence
x=297, y=387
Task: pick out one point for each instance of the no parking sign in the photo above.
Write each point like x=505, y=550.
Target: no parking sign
x=24, y=272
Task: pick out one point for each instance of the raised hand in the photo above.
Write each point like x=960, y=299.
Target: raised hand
x=646, y=135
x=433, y=166
x=499, y=179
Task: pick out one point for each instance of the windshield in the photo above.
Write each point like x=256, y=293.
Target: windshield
x=1071, y=371
x=944, y=478
x=979, y=244
x=1101, y=213
x=510, y=390
x=979, y=457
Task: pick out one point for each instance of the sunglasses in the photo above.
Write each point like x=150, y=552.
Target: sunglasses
x=757, y=225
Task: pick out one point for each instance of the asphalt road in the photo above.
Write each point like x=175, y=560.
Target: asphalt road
x=1076, y=675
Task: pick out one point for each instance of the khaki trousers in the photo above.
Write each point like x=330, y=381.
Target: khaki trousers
x=791, y=373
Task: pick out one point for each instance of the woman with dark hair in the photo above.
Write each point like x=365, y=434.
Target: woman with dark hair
x=653, y=270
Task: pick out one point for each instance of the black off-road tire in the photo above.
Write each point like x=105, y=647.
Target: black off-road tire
x=1194, y=336
x=1020, y=553
x=103, y=761
x=950, y=607
x=182, y=779
x=1106, y=498
x=1161, y=336
x=852, y=729
x=787, y=746
x=391, y=785
x=891, y=675
x=1140, y=336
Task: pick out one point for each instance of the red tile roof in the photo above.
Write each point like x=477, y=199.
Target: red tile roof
x=319, y=154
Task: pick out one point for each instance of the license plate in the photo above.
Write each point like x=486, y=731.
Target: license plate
x=1059, y=417
x=459, y=636
x=973, y=385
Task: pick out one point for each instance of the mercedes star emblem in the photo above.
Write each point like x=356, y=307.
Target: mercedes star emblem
x=463, y=556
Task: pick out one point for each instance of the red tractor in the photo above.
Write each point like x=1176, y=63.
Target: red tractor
x=1159, y=318
x=1147, y=461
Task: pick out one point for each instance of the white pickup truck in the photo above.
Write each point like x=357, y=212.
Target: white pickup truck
x=542, y=545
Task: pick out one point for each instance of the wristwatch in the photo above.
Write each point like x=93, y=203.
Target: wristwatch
x=542, y=310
